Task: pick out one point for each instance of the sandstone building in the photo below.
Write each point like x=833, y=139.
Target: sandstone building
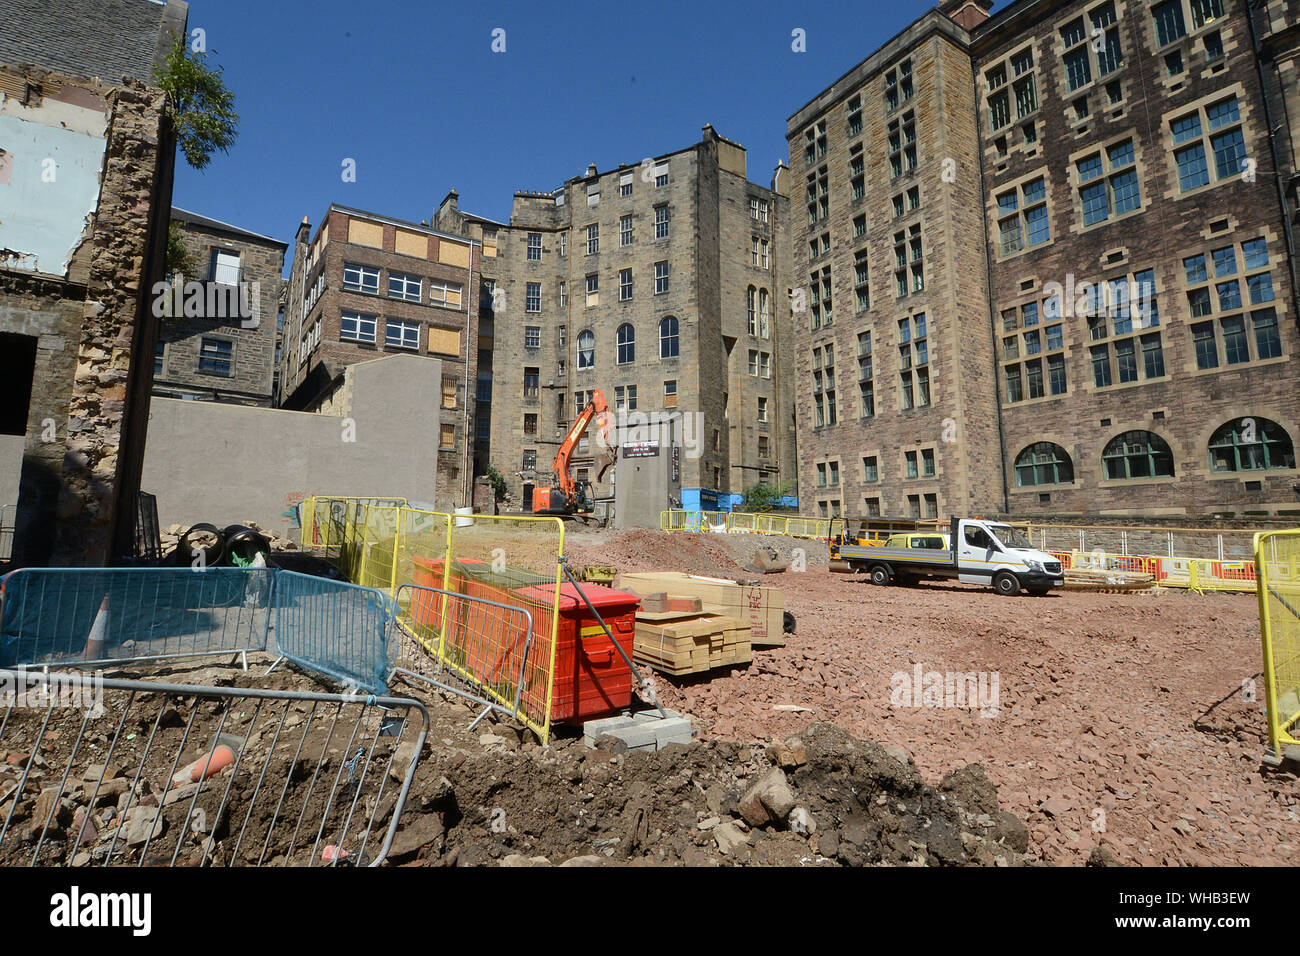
x=1046, y=264
x=231, y=356
x=663, y=284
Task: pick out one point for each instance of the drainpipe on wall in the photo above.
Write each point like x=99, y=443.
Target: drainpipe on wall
x=468, y=466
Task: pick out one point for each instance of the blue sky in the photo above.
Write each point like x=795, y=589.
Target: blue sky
x=414, y=94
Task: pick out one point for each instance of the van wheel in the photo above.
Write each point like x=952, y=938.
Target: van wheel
x=880, y=574
x=1006, y=584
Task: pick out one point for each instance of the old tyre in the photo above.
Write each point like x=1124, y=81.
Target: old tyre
x=879, y=574
x=1006, y=584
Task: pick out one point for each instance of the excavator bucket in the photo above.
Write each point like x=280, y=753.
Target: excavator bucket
x=766, y=561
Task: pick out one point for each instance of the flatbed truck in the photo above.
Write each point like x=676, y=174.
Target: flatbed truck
x=985, y=552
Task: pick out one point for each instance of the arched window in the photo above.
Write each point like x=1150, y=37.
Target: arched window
x=1043, y=463
x=1138, y=454
x=753, y=310
x=626, y=344
x=586, y=349
x=764, y=315
x=668, y=337
x=1251, y=444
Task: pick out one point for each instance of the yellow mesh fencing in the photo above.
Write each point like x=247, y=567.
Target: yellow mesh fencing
x=1277, y=571
x=513, y=561
x=738, y=522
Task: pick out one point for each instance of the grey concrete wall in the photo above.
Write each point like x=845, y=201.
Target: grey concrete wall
x=228, y=463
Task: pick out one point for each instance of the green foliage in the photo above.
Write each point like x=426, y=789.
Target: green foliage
x=201, y=109
x=178, y=256
x=496, y=480
x=762, y=497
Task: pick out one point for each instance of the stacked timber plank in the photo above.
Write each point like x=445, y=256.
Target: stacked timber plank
x=685, y=638
x=762, y=608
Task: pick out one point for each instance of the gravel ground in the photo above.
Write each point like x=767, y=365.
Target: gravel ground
x=1120, y=719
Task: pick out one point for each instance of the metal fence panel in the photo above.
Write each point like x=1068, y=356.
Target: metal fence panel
x=54, y=615
x=169, y=774
x=336, y=628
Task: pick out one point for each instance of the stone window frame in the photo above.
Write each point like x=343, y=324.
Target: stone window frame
x=593, y=290
x=899, y=146
x=853, y=116
x=821, y=290
x=662, y=277
x=593, y=238
x=817, y=199
x=873, y=455
x=532, y=336
x=626, y=236
x=825, y=408
x=815, y=142
x=1101, y=148
x=915, y=371
x=229, y=361
x=586, y=352
x=1087, y=13
x=1261, y=424
x=899, y=84
x=1055, y=464
x=663, y=220
x=1141, y=329
x=625, y=344
x=1020, y=332
x=532, y=297
x=625, y=279
x=862, y=280
x=1006, y=63
x=866, y=374
x=867, y=505
x=1200, y=106
x=534, y=247
x=1246, y=311
x=1191, y=31
x=995, y=219
x=1118, y=436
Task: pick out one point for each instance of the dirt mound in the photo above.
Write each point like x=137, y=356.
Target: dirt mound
x=718, y=555
x=823, y=798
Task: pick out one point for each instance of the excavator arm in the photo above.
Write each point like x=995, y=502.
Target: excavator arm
x=596, y=409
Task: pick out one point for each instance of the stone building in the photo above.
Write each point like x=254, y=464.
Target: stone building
x=224, y=354
x=662, y=284
x=1127, y=330
x=86, y=167
x=366, y=285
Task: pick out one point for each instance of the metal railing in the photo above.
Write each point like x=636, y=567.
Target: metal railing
x=170, y=774
x=740, y=522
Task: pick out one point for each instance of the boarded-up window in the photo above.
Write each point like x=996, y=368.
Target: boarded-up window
x=447, y=436
x=412, y=244
x=490, y=244
x=444, y=341
x=453, y=253
x=448, y=393
x=366, y=233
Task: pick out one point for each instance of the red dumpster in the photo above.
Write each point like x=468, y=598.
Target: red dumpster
x=591, y=678
x=426, y=608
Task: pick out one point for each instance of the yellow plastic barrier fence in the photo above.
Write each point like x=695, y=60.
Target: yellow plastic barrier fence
x=742, y=522
x=1277, y=572
x=509, y=560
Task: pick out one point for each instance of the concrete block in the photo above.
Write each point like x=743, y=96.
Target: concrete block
x=647, y=730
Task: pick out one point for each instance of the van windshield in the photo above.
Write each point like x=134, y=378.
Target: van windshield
x=1009, y=537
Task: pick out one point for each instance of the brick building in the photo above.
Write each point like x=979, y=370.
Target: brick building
x=1081, y=199
x=229, y=357
x=662, y=284
x=366, y=285
x=87, y=162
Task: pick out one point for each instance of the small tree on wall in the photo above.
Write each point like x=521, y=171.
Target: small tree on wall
x=496, y=480
x=199, y=106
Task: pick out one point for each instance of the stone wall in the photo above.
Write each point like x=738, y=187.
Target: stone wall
x=91, y=323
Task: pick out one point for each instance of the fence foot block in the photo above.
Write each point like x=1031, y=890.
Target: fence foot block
x=648, y=730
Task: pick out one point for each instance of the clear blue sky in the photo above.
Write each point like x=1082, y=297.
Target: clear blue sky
x=413, y=92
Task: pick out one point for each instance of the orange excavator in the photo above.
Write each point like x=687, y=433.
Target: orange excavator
x=565, y=496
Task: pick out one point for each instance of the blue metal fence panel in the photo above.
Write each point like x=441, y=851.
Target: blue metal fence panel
x=59, y=615
x=336, y=628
